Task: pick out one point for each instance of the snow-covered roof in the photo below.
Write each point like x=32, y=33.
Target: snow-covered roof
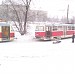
x=4, y=24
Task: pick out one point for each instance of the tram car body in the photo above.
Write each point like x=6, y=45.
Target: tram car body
x=52, y=31
x=6, y=32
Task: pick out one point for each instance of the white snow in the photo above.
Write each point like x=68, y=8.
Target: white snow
x=26, y=56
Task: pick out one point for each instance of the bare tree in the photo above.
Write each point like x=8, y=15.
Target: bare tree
x=20, y=13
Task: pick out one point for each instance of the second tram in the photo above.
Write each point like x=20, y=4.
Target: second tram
x=49, y=32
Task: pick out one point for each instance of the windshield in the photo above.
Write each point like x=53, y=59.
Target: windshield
x=39, y=28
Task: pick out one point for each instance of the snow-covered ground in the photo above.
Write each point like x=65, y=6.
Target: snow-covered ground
x=26, y=56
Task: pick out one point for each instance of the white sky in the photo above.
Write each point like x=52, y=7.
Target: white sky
x=55, y=7
x=0, y=1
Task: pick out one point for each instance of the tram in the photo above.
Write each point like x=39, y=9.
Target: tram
x=6, y=32
x=52, y=31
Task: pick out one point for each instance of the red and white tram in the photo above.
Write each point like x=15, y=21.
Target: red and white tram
x=49, y=32
x=6, y=32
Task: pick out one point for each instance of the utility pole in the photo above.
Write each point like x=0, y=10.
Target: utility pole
x=67, y=13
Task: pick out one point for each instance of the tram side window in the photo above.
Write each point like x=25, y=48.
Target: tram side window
x=60, y=28
x=69, y=27
x=46, y=28
x=73, y=28
x=54, y=28
x=39, y=28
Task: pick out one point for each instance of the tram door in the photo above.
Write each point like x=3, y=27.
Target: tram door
x=5, y=33
x=48, y=31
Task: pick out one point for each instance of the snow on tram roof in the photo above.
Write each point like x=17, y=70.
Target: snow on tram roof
x=60, y=24
x=64, y=25
x=53, y=24
x=4, y=24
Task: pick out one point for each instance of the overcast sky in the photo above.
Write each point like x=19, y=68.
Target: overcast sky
x=55, y=8
x=0, y=1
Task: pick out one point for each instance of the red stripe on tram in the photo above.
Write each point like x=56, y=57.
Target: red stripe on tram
x=11, y=34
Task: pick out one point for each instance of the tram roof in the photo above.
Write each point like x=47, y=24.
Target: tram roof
x=54, y=24
x=4, y=24
x=65, y=24
x=60, y=25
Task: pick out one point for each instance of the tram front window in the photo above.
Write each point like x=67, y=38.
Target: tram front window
x=5, y=32
x=39, y=28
